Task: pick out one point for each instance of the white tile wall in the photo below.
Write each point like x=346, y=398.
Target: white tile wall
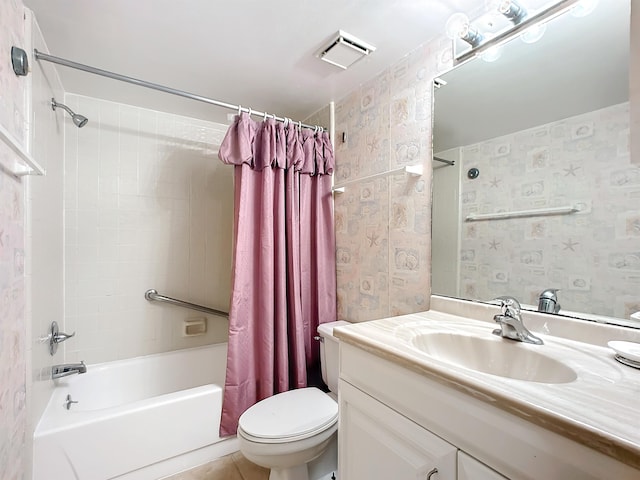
x=147, y=205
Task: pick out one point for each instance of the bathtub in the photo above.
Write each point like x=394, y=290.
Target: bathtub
x=138, y=419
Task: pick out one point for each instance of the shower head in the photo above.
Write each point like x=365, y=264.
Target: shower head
x=79, y=120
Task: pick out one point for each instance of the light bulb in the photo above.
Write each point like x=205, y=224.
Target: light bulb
x=457, y=26
x=584, y=8
x=533, y=33
x=492, y=54
x=509, y=8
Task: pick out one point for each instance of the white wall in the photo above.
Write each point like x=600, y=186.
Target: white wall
x=147, y=205
x=44, y=230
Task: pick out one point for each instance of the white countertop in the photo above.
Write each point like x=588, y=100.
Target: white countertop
x=600, y=408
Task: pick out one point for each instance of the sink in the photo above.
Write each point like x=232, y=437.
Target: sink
x=495, y=356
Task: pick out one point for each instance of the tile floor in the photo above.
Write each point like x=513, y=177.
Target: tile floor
x=231, y=467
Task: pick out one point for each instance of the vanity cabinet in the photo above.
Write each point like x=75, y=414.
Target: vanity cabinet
x=471, y=469
x=382, y=444
x=400, y=423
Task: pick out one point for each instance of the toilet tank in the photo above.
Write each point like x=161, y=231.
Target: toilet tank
x=329, y=353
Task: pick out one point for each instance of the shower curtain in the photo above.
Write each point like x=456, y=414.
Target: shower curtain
x=283, y=281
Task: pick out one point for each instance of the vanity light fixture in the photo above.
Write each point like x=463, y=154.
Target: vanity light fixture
x=511, y=9
x=458, y=26
x=471, y=39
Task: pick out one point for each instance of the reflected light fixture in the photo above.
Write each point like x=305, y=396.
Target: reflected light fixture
x=584, y=8
x=492, y=54
x=533, y=33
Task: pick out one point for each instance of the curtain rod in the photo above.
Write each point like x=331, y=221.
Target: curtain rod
x=448, y=162
x=142, y=83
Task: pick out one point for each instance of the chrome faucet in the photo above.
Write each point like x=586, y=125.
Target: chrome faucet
x=66, y=369
x=511, y=325
x=548, y=301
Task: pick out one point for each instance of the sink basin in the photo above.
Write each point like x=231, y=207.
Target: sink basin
x=495, y=356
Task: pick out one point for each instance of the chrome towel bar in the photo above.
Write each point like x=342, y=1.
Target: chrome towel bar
x=153, y=295
x=522, y=213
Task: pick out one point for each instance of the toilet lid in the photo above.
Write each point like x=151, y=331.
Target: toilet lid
x=290, y=414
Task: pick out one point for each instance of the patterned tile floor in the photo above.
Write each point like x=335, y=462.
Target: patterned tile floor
x=231, y=467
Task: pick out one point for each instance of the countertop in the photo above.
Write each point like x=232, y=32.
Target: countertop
x=600, y=408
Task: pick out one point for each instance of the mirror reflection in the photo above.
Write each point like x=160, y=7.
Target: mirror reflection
x=542, y=134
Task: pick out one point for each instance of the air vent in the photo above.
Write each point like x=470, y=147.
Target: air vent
x=345, y=50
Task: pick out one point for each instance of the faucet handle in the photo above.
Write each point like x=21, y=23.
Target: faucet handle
x=61, y=337
x=548, y=301
x=510, y=306
x=56, y=337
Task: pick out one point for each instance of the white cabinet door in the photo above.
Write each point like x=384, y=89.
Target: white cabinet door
x=471, y=469
x=377, y=443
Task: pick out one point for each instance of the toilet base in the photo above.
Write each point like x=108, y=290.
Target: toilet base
x=299, y=472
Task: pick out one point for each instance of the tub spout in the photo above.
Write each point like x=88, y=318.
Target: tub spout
x=66, y=369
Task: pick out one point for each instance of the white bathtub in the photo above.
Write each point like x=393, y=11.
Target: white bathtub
x=137, y=419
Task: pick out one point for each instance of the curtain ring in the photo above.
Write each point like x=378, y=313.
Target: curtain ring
x=239, y=109
x=299, y=125
x=250, y=111
x=264, y=118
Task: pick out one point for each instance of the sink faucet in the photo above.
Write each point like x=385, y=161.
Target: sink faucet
x=66, y=369
x=510, y=322
x=548, y=301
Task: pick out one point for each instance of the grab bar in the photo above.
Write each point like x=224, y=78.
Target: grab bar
x=153, y=295
x=522, y=213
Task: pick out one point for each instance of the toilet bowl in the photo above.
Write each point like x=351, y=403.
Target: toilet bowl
x=288, y=430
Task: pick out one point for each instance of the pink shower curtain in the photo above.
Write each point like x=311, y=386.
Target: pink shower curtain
x=283, y=283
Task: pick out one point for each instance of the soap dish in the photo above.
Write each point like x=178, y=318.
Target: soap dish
x=626, y=361
x=627, y=350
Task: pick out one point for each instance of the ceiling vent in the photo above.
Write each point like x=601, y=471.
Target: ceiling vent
x=345, y=50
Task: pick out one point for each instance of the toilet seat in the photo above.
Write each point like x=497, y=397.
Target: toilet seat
x=289, y=416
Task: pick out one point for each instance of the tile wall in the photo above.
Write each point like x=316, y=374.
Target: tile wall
x=147, y=205
x=13, y=325
x=383, y=226
x=634, y=82
x=592, y=255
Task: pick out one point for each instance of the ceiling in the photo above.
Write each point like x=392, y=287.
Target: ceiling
x=260, y=54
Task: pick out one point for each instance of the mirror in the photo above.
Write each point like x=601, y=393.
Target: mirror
x=546, y=127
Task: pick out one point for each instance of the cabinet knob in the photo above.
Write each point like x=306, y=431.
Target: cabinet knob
x=432, y=473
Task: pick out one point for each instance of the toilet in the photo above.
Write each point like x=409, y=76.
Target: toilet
x=289, y=430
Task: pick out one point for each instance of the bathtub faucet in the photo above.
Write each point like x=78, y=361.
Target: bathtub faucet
x=66, y=369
